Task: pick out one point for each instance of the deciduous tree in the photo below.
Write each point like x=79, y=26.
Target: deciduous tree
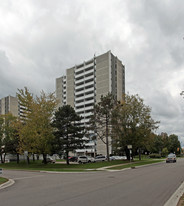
x=174, y=144
x=1, y=136
x=36, y=134
x=101, y=121
x=9, y=141
x=132, y=123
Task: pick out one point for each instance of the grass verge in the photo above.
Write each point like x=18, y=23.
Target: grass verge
x=3, y=180
x=181, y=201
x=39, y=166
x=136, y=163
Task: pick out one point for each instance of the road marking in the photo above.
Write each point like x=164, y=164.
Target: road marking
x=21, y=178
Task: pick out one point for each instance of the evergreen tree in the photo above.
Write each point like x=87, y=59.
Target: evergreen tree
x=68, y=133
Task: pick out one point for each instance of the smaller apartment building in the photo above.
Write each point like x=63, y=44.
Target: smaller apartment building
x=83, y=86
x=9, y=104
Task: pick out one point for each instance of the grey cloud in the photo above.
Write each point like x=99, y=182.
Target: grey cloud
x=5, y=79
x=49, y=37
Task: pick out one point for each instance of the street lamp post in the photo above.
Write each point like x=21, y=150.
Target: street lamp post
x=130, y=150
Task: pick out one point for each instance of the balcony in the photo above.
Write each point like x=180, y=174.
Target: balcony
x=79, y=92
x=79, y=110
x=79, y=104
x=79, y=74
x=86, y=114
x=89, y=95
x=79, y=98
x=89, y=101
x=90, y=71
x=89, y=65
x=84, y=120
x=91, y=144
x=80, y=86
x=90, y=77
x=77, y=81
x=79, y=69
x=90, y=89
x=89, y=83
x=92, y=150
x=89, y=108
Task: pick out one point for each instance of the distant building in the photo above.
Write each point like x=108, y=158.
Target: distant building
x=9, y=104
x=83, y=86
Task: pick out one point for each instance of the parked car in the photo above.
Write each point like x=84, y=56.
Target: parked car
x=49, y=160
x=85, y=159
x=171, y=158
x=91, y=159
x=100, y=158
x=6, y=161
x=82, y=159
x=118, y=157
x=112, y=158
x=73, y=159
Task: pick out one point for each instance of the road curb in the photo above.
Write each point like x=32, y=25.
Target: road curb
x=7, y=184
x=55, y=172
x=174, y=199
x=128, y=168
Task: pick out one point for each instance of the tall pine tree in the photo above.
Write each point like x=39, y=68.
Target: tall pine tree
x=68, y=133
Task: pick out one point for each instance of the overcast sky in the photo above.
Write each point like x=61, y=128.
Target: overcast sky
x=40, y=39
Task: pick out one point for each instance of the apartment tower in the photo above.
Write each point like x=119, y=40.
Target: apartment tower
x=83, y=86
x=9, y=104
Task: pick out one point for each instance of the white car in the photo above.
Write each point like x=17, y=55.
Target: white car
x=118, y=158
x=100, y=158
x=112, y=158
x=85, y=159
x=91, y=159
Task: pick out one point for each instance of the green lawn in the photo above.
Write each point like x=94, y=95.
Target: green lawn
x=3, y=180
x=38, y=165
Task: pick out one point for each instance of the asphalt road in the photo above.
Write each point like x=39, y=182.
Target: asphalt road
x=145, y=186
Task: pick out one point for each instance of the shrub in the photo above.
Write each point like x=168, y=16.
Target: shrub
x=165, y=152
x=155, y=155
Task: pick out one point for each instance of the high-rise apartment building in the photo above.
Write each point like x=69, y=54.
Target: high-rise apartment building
x=9, y=104
x=85, y=83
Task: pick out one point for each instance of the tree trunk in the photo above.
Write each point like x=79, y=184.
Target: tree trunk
x=139, y=154
x=37, y=157
x=28, y=159
x=33, y=157
x=18, y=158
x=1, y=158
x=107, y=139
x=44, y=158
x=67, y=160
x=127, y=153
x=4, y=157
